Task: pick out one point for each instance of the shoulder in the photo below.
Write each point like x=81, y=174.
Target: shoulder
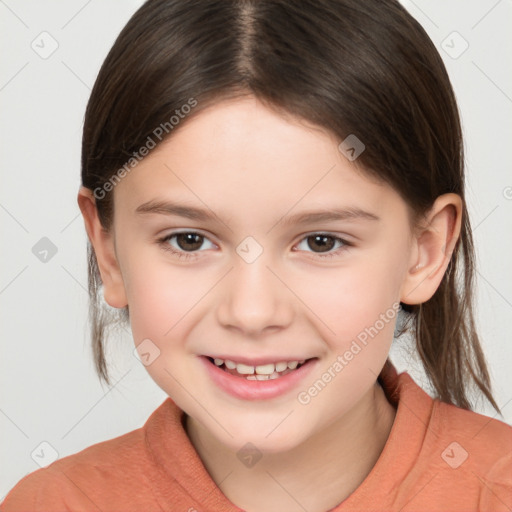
x=485, y=438
x=463, y=458
x=488, y=437
x=71, y=482
x=476, y=449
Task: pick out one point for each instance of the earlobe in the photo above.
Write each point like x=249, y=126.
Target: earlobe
x=433, y=247
x=103, y=244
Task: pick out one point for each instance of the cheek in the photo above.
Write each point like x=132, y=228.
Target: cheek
x=159, y=295
x=164, y=302
x=357, y=307
x=350, y=298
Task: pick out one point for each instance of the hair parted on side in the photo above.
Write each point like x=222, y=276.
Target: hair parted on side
x=350, y=67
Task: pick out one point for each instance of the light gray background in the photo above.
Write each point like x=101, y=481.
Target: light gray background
x=49, y=391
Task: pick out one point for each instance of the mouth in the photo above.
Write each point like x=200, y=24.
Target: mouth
x=258, y=379
x=266, y=371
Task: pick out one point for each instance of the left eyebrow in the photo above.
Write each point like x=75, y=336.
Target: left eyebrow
x=332, y=214
x=307, y=217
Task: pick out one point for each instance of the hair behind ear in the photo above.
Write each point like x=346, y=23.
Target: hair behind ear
x=445, y=334
x=101, y=317
x=97, y=315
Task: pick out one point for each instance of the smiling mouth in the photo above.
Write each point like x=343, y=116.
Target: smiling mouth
x=268, y=371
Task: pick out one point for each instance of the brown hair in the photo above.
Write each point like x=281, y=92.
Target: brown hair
x=365, y=68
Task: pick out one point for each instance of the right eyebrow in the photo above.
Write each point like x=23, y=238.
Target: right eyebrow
x=180, y=210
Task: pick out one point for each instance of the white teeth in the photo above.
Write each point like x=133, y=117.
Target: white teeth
x=263, y=377
x=281, y=367
x=265, y=369
x=244, y=369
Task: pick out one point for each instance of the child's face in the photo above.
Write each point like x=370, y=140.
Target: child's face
x=251, y=169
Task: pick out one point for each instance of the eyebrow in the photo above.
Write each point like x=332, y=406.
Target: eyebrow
x=205, y=215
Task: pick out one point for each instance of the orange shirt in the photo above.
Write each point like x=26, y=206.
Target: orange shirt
x=437, y=458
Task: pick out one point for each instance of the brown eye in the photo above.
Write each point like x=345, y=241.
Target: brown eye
x=189, y=241
x=323, y=245
x=185, y=244
x=320, y=243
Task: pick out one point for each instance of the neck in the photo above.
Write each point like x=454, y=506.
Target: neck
x=317, y=475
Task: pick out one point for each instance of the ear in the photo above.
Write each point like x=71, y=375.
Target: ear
x=104, y=248
x=433, y=244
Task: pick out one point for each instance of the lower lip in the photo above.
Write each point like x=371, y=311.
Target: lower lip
x=245, y=389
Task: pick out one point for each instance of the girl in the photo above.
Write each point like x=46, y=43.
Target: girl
x=267, y=187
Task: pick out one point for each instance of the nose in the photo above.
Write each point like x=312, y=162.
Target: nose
x=253, y=299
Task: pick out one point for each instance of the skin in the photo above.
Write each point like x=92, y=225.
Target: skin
x=252, y=167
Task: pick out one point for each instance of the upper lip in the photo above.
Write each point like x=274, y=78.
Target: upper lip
x=258, y=361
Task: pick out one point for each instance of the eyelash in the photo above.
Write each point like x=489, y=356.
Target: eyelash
x=163, y=242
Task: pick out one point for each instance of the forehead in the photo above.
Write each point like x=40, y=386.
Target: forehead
x=239, y=154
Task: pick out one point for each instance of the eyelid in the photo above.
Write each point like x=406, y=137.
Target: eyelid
x=165, y=238
x=341, y=236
